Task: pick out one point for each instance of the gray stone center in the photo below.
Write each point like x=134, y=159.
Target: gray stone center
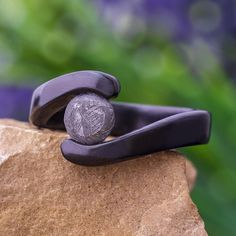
x=89, y=118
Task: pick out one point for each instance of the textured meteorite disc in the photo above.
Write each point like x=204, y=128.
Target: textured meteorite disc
x=89, y=118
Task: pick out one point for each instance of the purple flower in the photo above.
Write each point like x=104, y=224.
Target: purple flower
x=15, y=102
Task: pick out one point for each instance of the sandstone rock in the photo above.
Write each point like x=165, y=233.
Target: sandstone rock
x=43, y=194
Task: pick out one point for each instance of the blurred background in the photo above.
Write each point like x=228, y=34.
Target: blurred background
x=166, y=52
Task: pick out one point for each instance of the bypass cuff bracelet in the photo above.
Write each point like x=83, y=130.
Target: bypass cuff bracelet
x=79, y=103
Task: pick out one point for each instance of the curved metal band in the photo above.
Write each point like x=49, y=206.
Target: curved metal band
x=53, y=96
x=142, y=129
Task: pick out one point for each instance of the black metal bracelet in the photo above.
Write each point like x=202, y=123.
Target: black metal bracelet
x=138, y=129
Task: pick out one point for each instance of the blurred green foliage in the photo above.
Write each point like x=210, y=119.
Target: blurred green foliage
x=42, y=39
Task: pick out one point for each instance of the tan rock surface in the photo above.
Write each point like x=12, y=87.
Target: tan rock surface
x=43, y=194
